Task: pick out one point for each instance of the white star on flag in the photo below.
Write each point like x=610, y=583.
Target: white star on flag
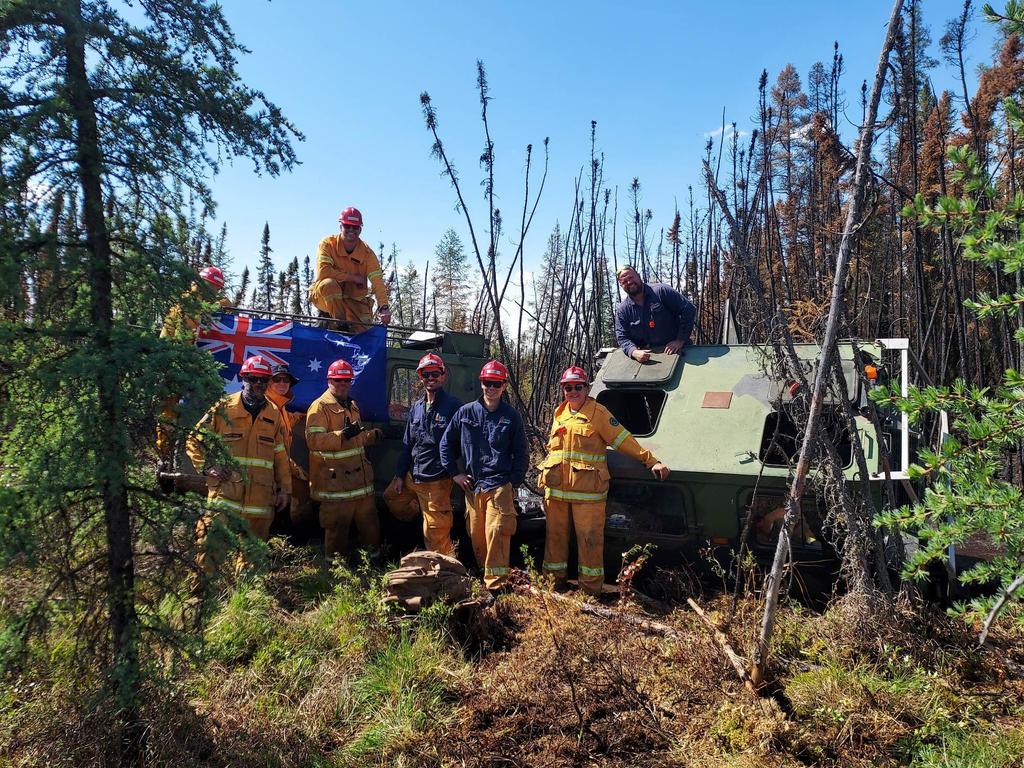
x=314, y=365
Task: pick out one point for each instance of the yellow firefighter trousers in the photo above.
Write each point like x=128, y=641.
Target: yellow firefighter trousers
x=336, y=518
x=491, y=521
x=434, y=499
x=166, y=427
x=212, y=548
x=327, y=296
x=588, y=521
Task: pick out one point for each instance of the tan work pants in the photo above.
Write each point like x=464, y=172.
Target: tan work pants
x=336, y=518
x=491, y=521
x=588, y=521
x=434, y=499
x=212, y=549
x=328, y=296
x=166, y=427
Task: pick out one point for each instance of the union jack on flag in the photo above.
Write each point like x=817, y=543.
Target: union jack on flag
x=238, y=336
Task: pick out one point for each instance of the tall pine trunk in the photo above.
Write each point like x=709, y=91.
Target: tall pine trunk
x=111, y=447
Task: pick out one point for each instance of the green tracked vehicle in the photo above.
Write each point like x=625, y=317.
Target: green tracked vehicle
x=724, y=428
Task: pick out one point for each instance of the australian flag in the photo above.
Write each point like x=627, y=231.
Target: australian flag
x=307, y=351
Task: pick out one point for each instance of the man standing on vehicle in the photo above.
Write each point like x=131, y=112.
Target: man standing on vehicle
x=651, y=316
x=419, y=472
x=575, y=478
x=340, y=477
x=252, y=429
x=343, y=265
x=489, y=437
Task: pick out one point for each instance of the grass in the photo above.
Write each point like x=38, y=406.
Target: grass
x=304, y=666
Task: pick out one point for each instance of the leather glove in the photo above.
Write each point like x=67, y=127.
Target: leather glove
x=374, y=436
x=351, y=431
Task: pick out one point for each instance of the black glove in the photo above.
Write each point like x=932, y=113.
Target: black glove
x=351, y=430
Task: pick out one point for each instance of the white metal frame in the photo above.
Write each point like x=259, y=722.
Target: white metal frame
x=903, y=345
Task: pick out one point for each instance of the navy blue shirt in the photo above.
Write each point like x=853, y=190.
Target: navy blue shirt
x=422, y=441
x=491, y=444
x=666, y=315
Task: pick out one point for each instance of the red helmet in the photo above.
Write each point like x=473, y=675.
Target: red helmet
x=213, y=276
x=493, y=371
x=430, y=361
x=351, y=217
x=341, y=369
x=573, y=375
x=257, y=365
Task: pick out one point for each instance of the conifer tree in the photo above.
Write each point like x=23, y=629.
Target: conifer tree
x=263, y=298
x=134, y=104
x=449, y=281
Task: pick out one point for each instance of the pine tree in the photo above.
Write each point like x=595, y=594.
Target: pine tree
x=449, y=281
x=295, y=305
x=307, y=280
x=410, y=293
x=128, y=106
x=243, y=287
x=263, y=298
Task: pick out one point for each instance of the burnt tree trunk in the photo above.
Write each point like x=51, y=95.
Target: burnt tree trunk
x=853, y=220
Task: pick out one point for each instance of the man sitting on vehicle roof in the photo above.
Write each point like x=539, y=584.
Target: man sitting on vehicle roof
x=343, y=265
x=651, y=316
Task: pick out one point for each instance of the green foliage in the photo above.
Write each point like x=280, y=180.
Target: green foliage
x=969, y=491
x=973, y=750
x=108, y=120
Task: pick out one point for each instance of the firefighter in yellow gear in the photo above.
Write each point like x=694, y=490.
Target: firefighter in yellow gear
x=341, y=478
x=280, y=394
x=343, y=265
x=575, y=478
x=252, y=429
x=177, y=324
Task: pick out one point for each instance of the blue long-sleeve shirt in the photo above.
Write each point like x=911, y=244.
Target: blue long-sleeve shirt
x=665, y=315
x=491, y=444
x=421, y=444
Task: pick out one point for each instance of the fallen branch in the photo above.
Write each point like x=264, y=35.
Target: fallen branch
x=737, y=661
x=601, y=612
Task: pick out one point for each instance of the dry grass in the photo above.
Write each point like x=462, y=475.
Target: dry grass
x=304, y=667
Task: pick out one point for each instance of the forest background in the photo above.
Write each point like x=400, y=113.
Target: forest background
x=107, y=214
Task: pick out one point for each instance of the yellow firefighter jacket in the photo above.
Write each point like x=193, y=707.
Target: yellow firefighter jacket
x=338, y=469
x=258, y=445
x=332, y=259
x=178, y=322
x=576, y=467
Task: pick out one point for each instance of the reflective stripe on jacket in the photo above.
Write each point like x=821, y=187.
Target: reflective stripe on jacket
x=576, y=467
x=421, y=445
x=332, y=259
x=338, y=469
x=256, y=444
x=492, y=445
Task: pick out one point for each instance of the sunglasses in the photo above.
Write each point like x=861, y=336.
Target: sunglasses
x=493, y=384
x=430, y=375
x=257, y=379
x=574, y=387
x=281, y=379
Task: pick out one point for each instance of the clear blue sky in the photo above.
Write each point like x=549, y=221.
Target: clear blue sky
x=655, y=76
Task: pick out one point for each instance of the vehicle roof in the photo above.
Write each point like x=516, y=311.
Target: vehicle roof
x=716, y=400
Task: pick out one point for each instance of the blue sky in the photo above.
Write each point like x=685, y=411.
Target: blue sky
x=655, y=76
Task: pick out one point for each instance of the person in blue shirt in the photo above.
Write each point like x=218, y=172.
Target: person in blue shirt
x=420, y=482
x=651, y=316
x=489, y=439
